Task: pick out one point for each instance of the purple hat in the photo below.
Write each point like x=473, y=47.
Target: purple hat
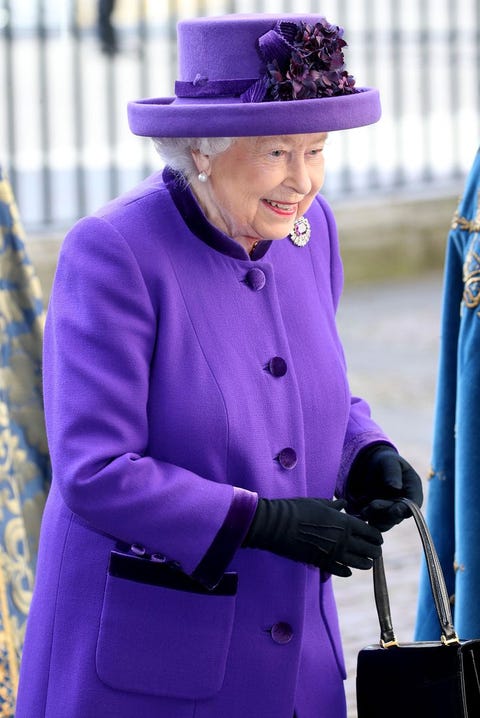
x=246, y=75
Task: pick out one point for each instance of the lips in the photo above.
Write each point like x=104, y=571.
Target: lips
x=281, y=207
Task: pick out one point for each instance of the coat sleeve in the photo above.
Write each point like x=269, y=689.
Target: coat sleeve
x=99, y=339
x=361, y=429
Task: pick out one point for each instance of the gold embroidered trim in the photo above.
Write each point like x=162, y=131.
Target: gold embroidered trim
x=468, y=225
x=8, y=629
x=6, y=194
x=471, y=264
x=471, y=276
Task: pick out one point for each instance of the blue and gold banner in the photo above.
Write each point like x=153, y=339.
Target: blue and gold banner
x=24, y=461
x=453, y=512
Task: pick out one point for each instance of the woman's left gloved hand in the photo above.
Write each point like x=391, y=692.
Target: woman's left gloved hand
x=378, y=478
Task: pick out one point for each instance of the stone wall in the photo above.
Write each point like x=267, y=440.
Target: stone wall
x=394, y=238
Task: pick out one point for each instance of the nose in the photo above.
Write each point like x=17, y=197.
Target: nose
x=298, y=177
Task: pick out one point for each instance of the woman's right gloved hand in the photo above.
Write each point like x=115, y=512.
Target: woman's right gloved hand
x=314, y=531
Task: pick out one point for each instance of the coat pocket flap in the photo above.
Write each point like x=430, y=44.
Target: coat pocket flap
x=157, y=573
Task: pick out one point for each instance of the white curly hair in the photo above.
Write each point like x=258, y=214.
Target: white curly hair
x=176, y=152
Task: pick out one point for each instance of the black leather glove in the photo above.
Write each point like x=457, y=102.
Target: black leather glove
x=378, y=478
x=314, y=531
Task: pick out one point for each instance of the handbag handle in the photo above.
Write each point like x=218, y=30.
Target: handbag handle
x=437, y=584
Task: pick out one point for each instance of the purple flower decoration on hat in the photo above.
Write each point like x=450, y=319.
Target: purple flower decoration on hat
x=303, y=62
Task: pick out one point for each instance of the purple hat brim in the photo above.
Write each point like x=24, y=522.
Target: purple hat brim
x=174, y=117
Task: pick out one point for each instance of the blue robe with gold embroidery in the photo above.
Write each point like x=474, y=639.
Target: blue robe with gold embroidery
x=24, y=462
x=453, y=506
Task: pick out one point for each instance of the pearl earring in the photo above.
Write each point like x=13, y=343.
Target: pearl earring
x=202, y=176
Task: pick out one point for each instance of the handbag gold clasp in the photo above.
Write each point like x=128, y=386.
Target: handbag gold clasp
x=389, y=644
x=448, y=641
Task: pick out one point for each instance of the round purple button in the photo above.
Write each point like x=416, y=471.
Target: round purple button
x=277, y=366
x=287, y=458
x=256, y=279
x=281, y=632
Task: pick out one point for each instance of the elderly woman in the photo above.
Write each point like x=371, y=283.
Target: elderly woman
x=203, y=437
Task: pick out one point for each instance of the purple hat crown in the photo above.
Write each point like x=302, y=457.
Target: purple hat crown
x=301, y=61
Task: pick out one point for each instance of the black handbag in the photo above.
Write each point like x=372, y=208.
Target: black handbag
x=423, y=679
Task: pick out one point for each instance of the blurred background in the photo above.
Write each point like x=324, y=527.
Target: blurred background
x=64, y=137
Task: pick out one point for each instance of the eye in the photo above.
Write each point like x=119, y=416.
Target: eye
x=277, y=153
x=317, y=149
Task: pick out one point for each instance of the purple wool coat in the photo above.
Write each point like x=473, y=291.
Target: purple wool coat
x=182, y=380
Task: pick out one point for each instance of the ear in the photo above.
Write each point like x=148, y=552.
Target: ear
x=202, y=162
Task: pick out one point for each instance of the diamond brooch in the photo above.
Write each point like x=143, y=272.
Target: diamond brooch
x=300, y=234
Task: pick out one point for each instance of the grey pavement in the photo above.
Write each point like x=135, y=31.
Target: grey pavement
x=391, y=333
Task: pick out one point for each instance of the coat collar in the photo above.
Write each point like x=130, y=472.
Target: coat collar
x=196, y=221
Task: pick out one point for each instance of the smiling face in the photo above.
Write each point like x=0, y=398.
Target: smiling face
x=259, y=186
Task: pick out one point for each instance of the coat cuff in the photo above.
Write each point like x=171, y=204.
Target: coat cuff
x=351, y=451
x=230, y=536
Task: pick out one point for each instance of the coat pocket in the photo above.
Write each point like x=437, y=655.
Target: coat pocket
x=161, y=633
